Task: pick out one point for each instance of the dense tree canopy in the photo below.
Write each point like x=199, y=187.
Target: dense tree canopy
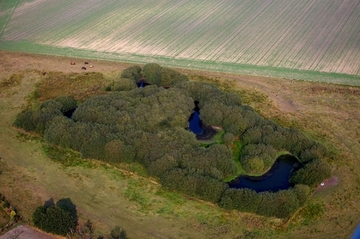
x=149, y=125
x=58, y=219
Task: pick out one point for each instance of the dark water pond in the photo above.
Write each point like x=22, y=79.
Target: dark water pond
x=195, y=124
x=69, y=113
x=277, y=178
x=142, y=83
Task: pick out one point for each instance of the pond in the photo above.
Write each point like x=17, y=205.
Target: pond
x=195, y=124
x=277, y=178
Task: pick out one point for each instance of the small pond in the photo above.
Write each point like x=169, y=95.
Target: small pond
x=195, y=124
x=277, y=178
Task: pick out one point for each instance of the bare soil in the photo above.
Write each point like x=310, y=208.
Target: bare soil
x=25, y=232
x=328, y=183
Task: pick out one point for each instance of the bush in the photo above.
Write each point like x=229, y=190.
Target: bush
x=118, y=233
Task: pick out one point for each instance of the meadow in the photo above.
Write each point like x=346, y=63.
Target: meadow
x=310, y=40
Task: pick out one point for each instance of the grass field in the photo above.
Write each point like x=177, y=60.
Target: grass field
x=111, y=196
x=311, y=40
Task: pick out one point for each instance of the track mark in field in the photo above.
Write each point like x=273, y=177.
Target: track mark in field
x=7, y=20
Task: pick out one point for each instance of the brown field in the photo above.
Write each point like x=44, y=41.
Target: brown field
x=109, y=196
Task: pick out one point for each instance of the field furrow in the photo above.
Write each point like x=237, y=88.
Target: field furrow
x=304, y=35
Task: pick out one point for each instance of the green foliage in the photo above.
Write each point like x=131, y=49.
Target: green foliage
x=56, y=219
x=228, y=139
x=65, y=156
x=202, y=92
x=39, y=120
x=244, y=200
x=132, y=72
x=312, y=211
x=255, y=158
x=171, y=77
x=315, y=151
x=280, y=204
x=162, y=76
x=67, y=103
x=192, y=184
x=302, y=193
x=162, y=165
x=146, y=127
x=152, y=73
x=124, y=84
x=118, y=233
x=116, y=151
x=312, y=173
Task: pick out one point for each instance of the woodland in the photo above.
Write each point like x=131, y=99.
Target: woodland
x=149, y=125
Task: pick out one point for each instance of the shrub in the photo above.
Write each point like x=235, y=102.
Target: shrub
x=118, y=233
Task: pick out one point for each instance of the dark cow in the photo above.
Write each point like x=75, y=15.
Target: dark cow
x=86, y=62
x=83, y=68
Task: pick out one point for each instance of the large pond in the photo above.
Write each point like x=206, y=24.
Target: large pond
x=277, y=178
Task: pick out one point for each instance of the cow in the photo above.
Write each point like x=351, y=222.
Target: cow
x=83, y=68
x=86, y=63
x=91, y=66
x=72, y=63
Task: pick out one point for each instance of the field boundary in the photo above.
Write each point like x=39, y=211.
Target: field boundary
x=202, y=65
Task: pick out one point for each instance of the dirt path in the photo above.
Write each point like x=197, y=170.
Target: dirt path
x=328, y=183
x=24, y=232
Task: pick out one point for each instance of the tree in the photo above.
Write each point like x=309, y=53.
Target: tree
x=124, y=84
x=59, y=219
x=312, y=173
x=132, y=72
x=228, y=139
